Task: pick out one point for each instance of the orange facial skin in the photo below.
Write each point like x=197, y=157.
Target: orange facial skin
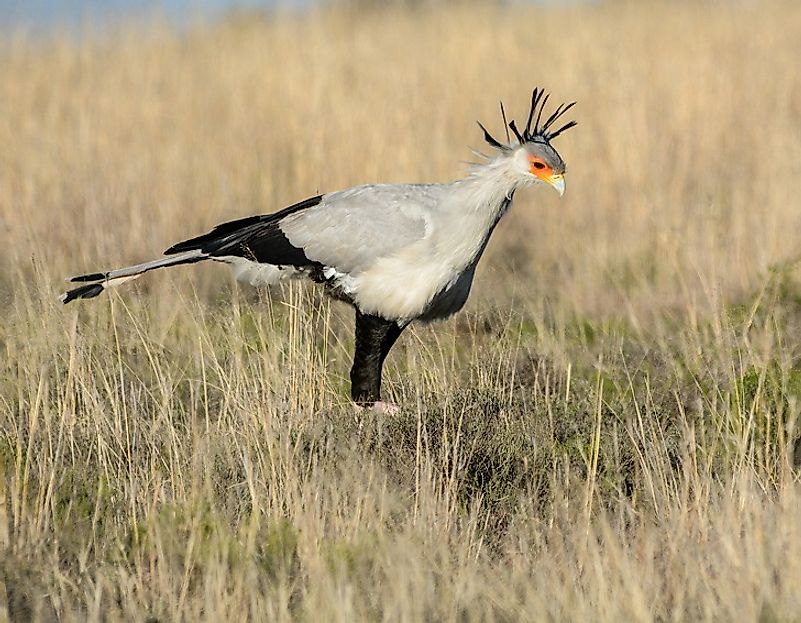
x=539, y=168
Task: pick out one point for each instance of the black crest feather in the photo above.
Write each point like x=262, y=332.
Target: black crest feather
x=536, y=130
x=489, y=138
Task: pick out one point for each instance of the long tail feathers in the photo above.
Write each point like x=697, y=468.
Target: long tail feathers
x=97, y=282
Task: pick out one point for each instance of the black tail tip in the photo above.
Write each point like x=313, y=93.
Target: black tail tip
x=89, y=277
x=84, y=292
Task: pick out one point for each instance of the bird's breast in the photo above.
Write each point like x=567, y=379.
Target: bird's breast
x=404, y=285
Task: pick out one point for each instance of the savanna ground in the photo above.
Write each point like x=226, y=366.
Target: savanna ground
x=607, y=433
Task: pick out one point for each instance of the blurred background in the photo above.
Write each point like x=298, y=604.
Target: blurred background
x=609, y=431
x=44, y=16
x=75, y=15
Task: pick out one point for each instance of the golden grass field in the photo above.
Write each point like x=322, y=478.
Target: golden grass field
x=607, y=433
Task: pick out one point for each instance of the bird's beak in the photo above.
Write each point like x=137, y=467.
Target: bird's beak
x=558, y=182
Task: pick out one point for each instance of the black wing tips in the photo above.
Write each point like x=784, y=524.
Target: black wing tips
x=89, y=291
x=206, y=241
x=227, y=234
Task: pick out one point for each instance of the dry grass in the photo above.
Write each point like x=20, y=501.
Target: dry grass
x=606, y=434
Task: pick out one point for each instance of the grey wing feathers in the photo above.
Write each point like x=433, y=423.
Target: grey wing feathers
x=350, y=230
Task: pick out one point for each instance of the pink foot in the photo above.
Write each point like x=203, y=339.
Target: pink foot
x=381, y=407
x=385, y=408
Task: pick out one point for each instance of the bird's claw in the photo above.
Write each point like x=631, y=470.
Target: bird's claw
x=380, y=407
x=385, y=408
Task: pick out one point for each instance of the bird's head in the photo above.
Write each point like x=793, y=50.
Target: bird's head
x=532, y=155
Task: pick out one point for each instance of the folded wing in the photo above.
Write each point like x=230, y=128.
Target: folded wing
x=353, y=229
x=346, y=231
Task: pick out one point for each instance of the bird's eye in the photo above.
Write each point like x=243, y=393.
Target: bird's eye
x=538, y=165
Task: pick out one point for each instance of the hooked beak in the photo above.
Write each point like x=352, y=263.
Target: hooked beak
x=558, y=182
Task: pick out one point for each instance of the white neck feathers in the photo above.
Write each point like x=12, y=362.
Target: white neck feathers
x=489, y=187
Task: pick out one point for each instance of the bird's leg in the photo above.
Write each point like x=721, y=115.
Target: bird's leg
x=374, y=338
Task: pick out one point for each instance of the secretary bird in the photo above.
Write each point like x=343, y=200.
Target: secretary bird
x=395, y=252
